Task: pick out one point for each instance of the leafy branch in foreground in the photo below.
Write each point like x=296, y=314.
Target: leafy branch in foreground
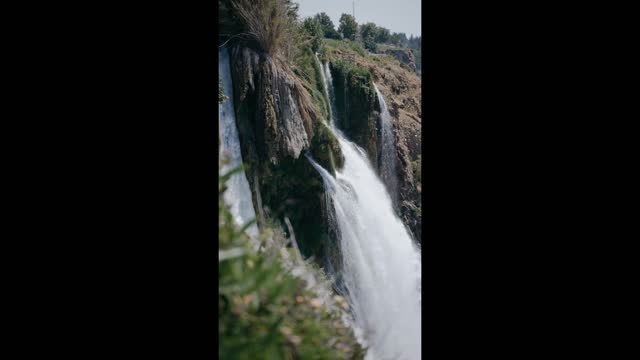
x=264, y=311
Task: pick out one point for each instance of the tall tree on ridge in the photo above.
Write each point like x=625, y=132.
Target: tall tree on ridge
x=328, y=28
x=348, y=26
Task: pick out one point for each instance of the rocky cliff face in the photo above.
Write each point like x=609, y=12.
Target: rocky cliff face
x=277, y=123
x=405, y=56
x=357, y=106
x=282, y=115
x=402, y=89
x=403, y=93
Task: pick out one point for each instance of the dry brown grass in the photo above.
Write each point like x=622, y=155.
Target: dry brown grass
x=271, y=26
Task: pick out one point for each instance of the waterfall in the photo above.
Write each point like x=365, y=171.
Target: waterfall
x=388, y=171
x=328, y=88
x=324, y=81
x=238, y=194
x=381, y=266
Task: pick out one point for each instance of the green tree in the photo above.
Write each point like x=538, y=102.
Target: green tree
x=292, y=9
x=395, y=39
x=370, y=44
x=403, y=39
x=348, y=26
x=382, y=35
x=368, y=30
x=313, y=28
x=328, y=28
x=415, y=42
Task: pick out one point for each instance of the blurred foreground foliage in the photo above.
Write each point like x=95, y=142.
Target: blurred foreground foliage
x=264, y=311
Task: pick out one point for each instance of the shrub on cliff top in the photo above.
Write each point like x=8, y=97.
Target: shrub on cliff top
x=269, y=24
x=271, y=27
x=313, y=29
x=370, y=45
x=347, y=45
x=351, y=71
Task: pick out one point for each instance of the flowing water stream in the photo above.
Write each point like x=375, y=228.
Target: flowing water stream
x=381, y=266
x=388, y=171
x=238, y=194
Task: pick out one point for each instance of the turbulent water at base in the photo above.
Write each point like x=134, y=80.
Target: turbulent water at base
x=381, y=267
x=388, y=171
x=238, y=194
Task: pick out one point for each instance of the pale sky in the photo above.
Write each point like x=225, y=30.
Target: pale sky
x=395, y=15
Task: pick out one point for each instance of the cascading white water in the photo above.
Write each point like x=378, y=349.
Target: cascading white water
x=328, y=85
x=387, y=150
x=324, y=79
x=238, y=194
x=381, y=267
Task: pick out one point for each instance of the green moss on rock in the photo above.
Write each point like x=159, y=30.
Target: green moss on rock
x=307, y=68
x=324, y=146
x=325, y=150
x=357, y=105
x=288, y=186
x=294, y=189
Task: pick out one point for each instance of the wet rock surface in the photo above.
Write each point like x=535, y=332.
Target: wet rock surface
x=278, y=114
x=358, y=106
x=277, y=125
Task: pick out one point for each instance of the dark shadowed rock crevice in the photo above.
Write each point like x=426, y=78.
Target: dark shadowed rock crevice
x=357, y=106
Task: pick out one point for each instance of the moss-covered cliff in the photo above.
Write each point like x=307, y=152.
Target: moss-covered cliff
x=281, y=108
x=279, y=116
x=357, y=106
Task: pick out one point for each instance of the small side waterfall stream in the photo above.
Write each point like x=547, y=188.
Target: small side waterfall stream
x=328, y=86
x=388, y=171
x=238, y=193
x=381, y=266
